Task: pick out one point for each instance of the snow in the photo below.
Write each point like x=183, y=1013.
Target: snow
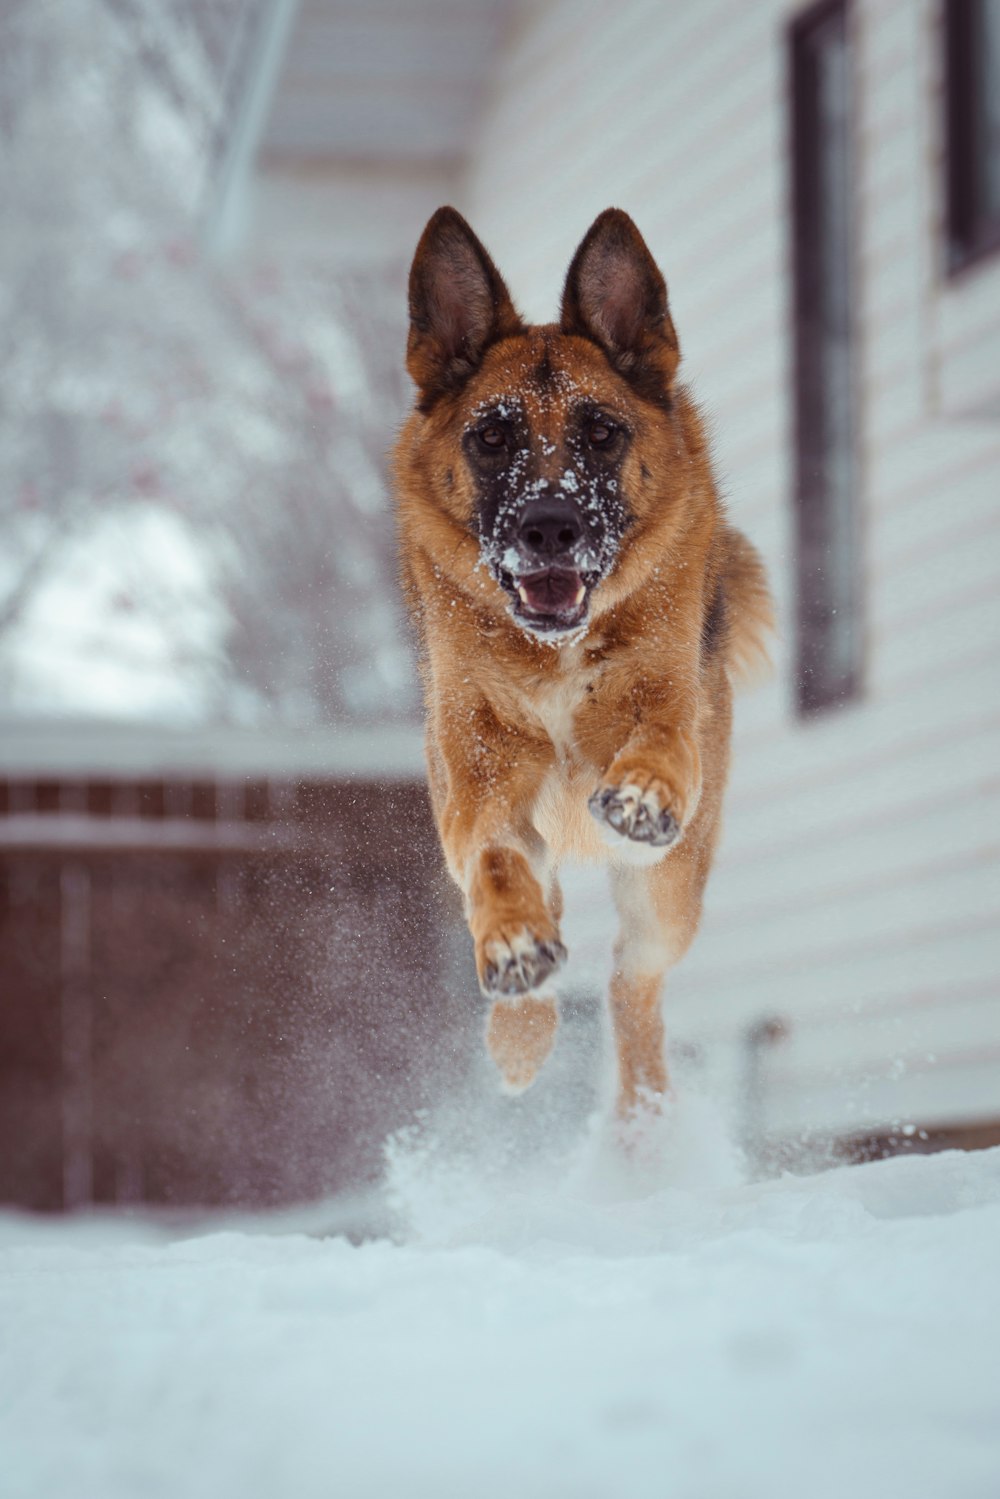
x=582, y=1327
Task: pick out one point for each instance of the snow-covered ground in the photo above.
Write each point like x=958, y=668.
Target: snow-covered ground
x=575, y=1328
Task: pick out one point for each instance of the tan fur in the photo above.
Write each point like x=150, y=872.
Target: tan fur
x=522, y=732
x=520, y=1035
x=752, y=612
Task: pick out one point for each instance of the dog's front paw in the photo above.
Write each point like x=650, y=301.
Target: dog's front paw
x=637, y=815
x=517, y=961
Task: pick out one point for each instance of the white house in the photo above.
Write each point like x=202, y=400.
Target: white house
x=858, y=892
x=820, y=183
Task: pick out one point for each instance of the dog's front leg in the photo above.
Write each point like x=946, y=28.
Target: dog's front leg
x=515, y=935
x=484, y=789
x=650, y=791
x=517, y=945
x=487, y=783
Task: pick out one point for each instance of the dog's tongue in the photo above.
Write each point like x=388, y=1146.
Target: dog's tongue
x=558, y=590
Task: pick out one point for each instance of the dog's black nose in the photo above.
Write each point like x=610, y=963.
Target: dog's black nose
x=549, y=528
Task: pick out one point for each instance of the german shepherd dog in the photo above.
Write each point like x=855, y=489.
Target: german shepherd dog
x=583, y=608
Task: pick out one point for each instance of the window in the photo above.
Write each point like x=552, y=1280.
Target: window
x=828, y=585
x=972, y=102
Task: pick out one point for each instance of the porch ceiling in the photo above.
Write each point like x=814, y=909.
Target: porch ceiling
x=383, y=80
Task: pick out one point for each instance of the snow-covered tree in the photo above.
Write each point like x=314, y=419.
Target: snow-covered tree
x=192, y=472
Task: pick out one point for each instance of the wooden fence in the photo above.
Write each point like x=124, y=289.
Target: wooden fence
x=217, y=991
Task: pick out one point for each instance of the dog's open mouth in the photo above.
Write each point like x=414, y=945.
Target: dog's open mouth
x=552, y=600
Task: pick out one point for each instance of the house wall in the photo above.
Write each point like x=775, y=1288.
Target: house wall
x=857, y=890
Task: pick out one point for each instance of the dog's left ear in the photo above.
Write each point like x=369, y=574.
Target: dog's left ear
x=459, y=305
x=615, y=295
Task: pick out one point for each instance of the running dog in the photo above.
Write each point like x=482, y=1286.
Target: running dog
x=583, y=608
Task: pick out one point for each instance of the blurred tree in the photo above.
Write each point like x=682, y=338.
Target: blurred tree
x=252, y=405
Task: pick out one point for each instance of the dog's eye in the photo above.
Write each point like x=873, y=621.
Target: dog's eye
x=600, y=434
x=492, y=438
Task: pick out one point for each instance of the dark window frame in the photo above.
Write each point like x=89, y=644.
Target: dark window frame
x=971, y=233
x=829, y=633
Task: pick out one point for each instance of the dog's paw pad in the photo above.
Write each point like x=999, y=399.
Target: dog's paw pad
x=635, y=814
x=519, y=963
x=520, y=1035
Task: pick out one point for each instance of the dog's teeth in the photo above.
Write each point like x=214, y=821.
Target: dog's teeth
x=579, y=596
x=522, y=593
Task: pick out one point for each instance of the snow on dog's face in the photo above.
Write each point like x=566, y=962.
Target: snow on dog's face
x=545, y=455
x=540, y=432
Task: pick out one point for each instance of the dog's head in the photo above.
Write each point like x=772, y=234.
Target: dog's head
x=540, y=434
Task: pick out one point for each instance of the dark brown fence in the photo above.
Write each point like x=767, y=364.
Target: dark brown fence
x=223, y=992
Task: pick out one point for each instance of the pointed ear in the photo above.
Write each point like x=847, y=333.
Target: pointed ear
x=615, y=295
x=458, y=306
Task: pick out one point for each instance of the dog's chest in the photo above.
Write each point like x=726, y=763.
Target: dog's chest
x=555, y=700
x=560, y=811
x=555, y=710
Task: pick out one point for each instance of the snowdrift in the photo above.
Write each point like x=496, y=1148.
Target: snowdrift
x=535, y=1331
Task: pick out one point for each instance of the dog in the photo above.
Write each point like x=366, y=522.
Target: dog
x=583, y=609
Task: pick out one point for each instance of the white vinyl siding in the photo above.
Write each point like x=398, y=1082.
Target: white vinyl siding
x=858, y=887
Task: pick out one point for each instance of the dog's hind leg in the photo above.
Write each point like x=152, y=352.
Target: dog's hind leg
x=521, y=1032
x=658, y=907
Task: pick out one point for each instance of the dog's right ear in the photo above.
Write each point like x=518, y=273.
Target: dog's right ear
x=459, y=305
x=615, y=295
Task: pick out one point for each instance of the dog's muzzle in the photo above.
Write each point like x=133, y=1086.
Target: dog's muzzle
x=549, y=567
